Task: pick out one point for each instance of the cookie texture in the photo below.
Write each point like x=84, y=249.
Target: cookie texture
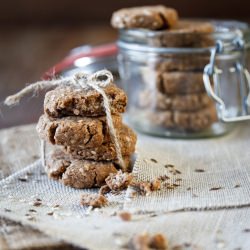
x=180, y=82
x=80, y=173
x=119, y=181
x=154, y=100
x=147, y=17
x=72, y=131
x=69, y=101
x=188, y=121
x=194, y=34
x=106, y=151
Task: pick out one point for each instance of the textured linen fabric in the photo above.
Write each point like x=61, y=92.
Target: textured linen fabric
x=225, y=162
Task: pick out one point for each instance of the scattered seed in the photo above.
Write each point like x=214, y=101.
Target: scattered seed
x=186, y=244
x=37, y=199
x=178, y=179
x=153, y=215
x=237, y=186
x=32, y=211
x=195, y=195
x=176, y=185
x=169, y=166
x=7, y=210
x=37, y=203
x=246, y=230
x=23, y=179
x=199, y=170
x=154, y=160
x=29, y=173
x=50, y=213
x=189, y=188
x=215, y=188
x=163, y=178
x=56, y=206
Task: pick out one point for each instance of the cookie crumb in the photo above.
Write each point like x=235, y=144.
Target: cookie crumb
x=155, y=185
x=158, y=241
x=119, y=181
x=145, y=241
x=146, y=187
x=104, y=189
x=125, y=216
x=93, y=200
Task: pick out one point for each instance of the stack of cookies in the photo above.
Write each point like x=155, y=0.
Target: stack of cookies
x=74, y=124
x=173, y=94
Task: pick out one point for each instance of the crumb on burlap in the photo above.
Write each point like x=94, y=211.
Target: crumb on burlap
x=119, y=181
x=125, y=216
x=93, y=200
x=145, y=242
x=104, y=189
x=146, y=187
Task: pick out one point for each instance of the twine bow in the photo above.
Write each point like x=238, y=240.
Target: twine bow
x=97, y=81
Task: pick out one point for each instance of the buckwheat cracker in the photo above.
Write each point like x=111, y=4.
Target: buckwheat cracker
x=71, y=131
x=69, y=101
x=148, y=17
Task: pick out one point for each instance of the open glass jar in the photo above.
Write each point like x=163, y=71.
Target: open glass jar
x=186, y=85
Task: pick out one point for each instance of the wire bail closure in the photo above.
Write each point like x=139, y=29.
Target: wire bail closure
x=211, y=71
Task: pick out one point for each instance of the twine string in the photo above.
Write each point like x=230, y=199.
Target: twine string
x=97, y=81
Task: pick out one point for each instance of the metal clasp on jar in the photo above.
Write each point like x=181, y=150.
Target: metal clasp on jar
x=213, y=87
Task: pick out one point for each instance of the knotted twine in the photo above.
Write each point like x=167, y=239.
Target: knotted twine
x=97, y=81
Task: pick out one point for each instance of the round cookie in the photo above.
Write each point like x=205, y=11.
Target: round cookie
x=154, y=100
x=147, y=17
x=69, y=101
x=80, y=173
x=195, y=34
x=106, y=151
x=180, y=82
x=188, y=121
x=72, y=131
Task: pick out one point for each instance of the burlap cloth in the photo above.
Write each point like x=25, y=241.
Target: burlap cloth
x=214, y=173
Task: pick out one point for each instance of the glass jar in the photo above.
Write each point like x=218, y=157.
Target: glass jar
x=186, y=85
